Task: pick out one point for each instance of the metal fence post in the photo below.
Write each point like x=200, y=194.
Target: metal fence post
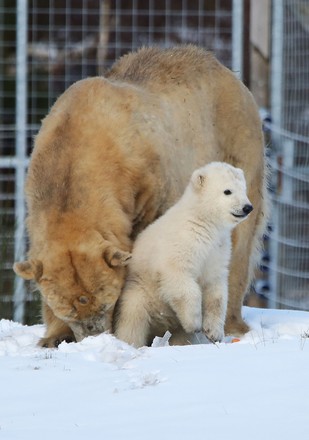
x=19, y=296
x=237, y=38
x=276, y=113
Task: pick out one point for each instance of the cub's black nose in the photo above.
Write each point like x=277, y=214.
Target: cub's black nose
x=247, y=209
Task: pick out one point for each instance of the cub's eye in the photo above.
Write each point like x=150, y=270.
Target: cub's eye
x=227, y=192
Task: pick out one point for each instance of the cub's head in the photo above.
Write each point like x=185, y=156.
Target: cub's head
x=80, y=283
x=221, y=189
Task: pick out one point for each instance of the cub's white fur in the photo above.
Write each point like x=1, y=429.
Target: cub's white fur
x=178, y=274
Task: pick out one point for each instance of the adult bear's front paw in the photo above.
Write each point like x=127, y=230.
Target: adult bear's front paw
x=54, y=341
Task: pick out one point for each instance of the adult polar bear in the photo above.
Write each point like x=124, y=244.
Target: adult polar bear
x=112, y=155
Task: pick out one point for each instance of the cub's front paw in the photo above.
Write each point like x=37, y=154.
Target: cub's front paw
x=214, y=334
x=192, y=324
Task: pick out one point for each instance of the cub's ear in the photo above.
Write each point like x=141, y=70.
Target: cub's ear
x=116, y=257
x=198, y=179
x=29, y=270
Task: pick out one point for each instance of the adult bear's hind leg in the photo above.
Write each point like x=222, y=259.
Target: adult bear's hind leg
x=245, y=255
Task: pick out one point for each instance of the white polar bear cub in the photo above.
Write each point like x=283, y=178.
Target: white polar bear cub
x=178, y=274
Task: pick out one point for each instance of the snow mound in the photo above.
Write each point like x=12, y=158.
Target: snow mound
x=105, y=348
x=104, y=388
x=266, y=326
x=17, y=339
x=273, y=325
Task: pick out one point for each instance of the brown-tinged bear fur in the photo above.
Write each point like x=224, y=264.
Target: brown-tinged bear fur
x=112, y=155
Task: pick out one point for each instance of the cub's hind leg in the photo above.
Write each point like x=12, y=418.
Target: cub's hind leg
x=132, y=321
x=214, y=310
x=184, y=296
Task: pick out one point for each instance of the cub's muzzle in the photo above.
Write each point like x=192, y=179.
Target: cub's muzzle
x=242, y=213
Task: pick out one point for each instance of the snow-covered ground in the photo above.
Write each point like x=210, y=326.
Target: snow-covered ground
x=101, y=388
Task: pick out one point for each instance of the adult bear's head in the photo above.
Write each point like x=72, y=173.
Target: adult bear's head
x=80, y=282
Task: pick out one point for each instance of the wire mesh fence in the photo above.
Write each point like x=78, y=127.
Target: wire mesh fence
x=45, y=46
x=53, y=44
x=290, y=160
